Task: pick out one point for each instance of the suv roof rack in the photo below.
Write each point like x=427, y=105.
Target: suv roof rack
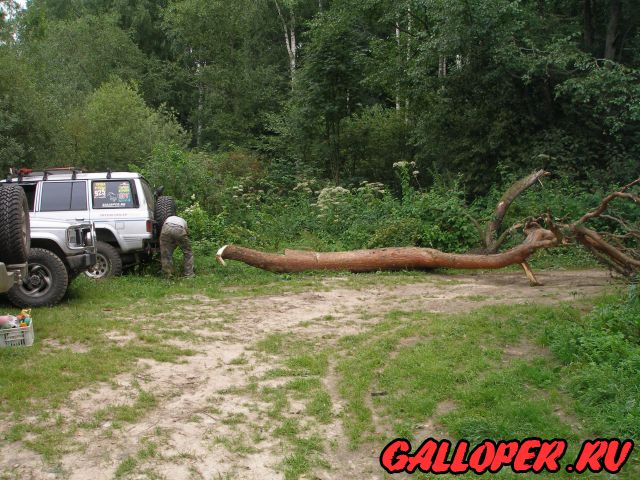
x=22, y=173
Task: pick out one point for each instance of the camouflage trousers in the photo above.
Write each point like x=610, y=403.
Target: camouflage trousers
x=173, y=236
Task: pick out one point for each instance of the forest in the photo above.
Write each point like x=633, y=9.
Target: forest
x=330, y=123
x=332, y=126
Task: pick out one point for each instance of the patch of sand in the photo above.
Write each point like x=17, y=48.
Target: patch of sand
x=198, y=398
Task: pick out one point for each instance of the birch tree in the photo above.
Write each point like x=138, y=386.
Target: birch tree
x=292, y=16
x=287, y=17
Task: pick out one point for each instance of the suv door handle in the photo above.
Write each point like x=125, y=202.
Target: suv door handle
x=79, y=219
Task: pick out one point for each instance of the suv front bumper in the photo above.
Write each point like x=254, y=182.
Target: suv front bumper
x=82, y=261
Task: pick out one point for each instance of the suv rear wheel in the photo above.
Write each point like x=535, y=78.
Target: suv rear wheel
x=45, y=284
x=14, y=225
x=108, y=262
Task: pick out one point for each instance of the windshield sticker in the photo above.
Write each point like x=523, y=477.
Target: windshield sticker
x=115, y=194
x=99, y=190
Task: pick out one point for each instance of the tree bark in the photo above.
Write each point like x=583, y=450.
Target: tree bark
x=622, y=257
x=401, y=258
x=290, y=41
x=612, y=29
x=442, y=66
x=491, y=240
x=587, y=34
x=397, y=83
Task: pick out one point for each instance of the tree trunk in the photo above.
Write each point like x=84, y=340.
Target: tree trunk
x=442, y=66
x=587, y=33
x=397, y=83
x=612, y=29
x=290, y=41
x=621, y=257
x=200, y=107
x=400, y=258
x=491, y=239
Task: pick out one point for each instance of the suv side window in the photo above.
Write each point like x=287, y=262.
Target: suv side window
x=146, y=190
x=63, y=196
x=30, y=192
x=113, y=194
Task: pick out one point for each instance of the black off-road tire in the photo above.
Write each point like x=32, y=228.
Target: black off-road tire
x=15, y=234
x=109, y=262
x=165, y=208
x=45, y=284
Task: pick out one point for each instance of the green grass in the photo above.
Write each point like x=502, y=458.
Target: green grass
x=304, y=372
x=304, y=457
x=126, y=467
x=237, y=444
x=117, y=414
x=394, y=376
x=121, y=306
x=465, y=361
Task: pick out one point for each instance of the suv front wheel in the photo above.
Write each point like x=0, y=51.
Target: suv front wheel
x=45, y=284
x=108, y=262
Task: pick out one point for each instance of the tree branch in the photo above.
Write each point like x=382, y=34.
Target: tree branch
x=493, y=226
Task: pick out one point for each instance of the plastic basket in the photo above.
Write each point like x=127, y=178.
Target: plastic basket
x=17, y=337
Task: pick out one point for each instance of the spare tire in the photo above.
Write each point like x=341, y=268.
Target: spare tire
x=15, y=234
x=165, y=208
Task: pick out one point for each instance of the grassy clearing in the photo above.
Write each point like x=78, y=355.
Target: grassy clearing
x=135, y=307
x=492, y=371
x=302, y=373
x=484, y=374
x=101, y=331
x=491, y=368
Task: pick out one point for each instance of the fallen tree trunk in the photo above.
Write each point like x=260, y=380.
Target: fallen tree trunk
x=401, y=258
x=620, y=253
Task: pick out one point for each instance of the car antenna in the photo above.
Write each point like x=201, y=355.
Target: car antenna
x=108, y=174
x=45, y=176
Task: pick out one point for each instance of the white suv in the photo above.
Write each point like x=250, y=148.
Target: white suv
x=122, y=206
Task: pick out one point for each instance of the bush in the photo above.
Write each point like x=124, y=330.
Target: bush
x=232, y=198
x=211, y=178
x=115, y=128
x=601, y=357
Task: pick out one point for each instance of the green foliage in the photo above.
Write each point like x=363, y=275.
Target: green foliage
x=71, y=58
x=233, y=79
x=207, y=178
x=468, y=95
x=115, y=128
x=26, y=122
x=311, y=215
x=601, y=357
x=373, y=140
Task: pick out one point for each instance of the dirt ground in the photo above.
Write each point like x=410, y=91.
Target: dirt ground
x=193, y=434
